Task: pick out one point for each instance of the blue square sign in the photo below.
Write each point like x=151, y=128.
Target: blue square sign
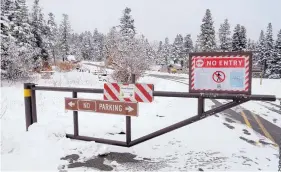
x=237, y=79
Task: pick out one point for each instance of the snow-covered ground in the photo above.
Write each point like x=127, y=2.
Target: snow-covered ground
x=270, y=87
x=207, y=144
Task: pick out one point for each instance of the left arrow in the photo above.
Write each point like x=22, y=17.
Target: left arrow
x=71, y=104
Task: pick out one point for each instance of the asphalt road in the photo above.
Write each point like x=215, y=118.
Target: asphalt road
x=242, y=115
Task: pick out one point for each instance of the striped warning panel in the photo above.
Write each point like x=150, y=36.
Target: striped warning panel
x=128, y=92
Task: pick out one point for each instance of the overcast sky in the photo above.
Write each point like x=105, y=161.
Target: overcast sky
x=157, y=19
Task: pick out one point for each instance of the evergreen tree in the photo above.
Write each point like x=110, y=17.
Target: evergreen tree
x=21, y=28
x=160, y=59
x=87, y=46
x=252, y=47
x=270, y=54
x=236, y=38
x=150, y=53
x=65, y=36
x=7, y=11
x=111, y=44
x=39, y=30
x=166, y=51
x=243, y=39
x=16, y=48
x=127, y=27
x=187, y=47
x=7, y=17
x=207, y=35
x=224, y=37
x=261, y=48
x=133, y=54
x=197, y=47
x=98, y=45
x=275, y=65
x=177, y=49
x=76, y=46
x=52, y=36
x=239, y=38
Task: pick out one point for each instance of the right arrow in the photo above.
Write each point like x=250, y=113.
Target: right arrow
x=129, y=108
x=71, y=104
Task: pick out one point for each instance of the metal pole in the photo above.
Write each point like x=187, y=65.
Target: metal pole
x=98, y=140
x=185, y=122
x=27, y=104
x=75, y=117
x=128, y=118
x=33, y=103
x=201, y=106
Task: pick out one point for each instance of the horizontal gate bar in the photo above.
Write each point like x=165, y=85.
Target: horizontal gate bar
x=98, y=140
x=186, y=122
x=214, y=96
x=68, y=89
x=166, y=93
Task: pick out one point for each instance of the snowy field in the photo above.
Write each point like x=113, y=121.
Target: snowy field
x=207, y=144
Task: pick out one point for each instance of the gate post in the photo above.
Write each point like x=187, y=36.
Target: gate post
x=27, y=104
x=33, y=104
x=75, y=117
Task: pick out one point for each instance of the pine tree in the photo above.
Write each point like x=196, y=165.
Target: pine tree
x=166, y=51
x=133, y=54
x=187, y=47
x=21, y=28
x=7, y=17
x=7, y=11
x=252, y=47
x=76, y=46
x=239, y=38
x=224, y=37
x=16, y=37
x=149, y=52
x=98, y=45
x=87, y=46
x=269, y=51
x=197, y=47
x=127, y=27
x=275, y=64
x=65, y=36
x=261, y=48
x=52, y=36
x=160, y=59
x=207, y=35
x=111, y=44
x=177, y=49
x=236, y=38
x=39, y=30
x=243, y=39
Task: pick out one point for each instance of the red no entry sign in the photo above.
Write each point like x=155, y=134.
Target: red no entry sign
x=218, y=76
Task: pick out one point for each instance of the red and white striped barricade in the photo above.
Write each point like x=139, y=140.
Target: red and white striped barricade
x=128, y=92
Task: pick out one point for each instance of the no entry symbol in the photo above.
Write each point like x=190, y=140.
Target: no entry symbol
x=218, y=76
x=199, y=63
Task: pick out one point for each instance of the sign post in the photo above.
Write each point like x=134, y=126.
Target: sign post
x=220, y=72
